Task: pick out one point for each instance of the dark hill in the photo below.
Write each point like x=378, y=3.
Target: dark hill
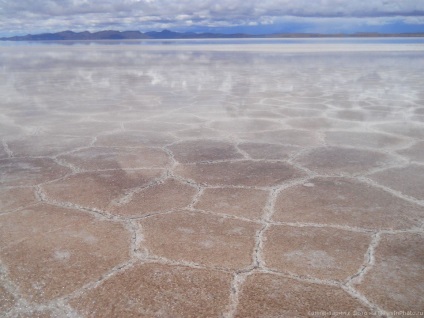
x=167, y=34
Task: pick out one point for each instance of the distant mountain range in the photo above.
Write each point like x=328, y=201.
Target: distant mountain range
x=166, y=34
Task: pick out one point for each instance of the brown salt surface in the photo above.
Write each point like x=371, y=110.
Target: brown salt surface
x=155, y=290
x=204, y=150
x=99, y=189
x=46, y=145
x=342, y=201
x=248, y=203
x=361, y=139
x=268, y=151
x=407, y=180
x=244, y=173
x=135, y=139
x=16, y=198
x=200, y=238
x=294, y=137
x=29, y=171
x=169, y=195
x=264, y=295
x=324, y=253
x=53, y=251
x=98, y=158
x=415, y=152
x=396, y=281
x=340, y=161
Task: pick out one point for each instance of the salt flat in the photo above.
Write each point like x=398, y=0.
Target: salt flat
x=201, y=180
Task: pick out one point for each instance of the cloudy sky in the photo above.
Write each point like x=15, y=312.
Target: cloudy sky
x=19, y=17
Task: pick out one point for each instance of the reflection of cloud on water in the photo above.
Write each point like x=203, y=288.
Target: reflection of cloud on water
x=94, y=79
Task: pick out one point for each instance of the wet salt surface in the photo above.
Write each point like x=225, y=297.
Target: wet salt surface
x=199, y=183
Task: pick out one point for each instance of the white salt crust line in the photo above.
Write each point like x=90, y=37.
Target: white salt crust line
x=210, y=161
x=104, y=215
x=22, y=306
x=347, y=288
x=369, y=261
x=89, y=135
x=394, y=193
x=11, y=288
x=128, y=195
x=93, y=284
x=224, y=216
x=151, y=258
x=168, y=150
x=95, y=171
x=233, y=161
x=20, y=208
x=236, y=284
x=257, y=260
x=260, y=263
x=174, y=162
x=68, y=165
x=268, y=211
x=401, y=163
x=99, y=214
x=170, y=154
x=245, y=155
x=70, y=152
x=354, y=293
x=236, y=280
x=196, y=198
x=239, y=278
x=6, y=148
x=86, y=147
x=135, y=260
x=136, y=238
x=57, y=309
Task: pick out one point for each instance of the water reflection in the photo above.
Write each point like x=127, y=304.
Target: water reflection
x=43, y=86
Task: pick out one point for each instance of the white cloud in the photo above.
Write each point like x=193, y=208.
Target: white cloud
x=53, y=15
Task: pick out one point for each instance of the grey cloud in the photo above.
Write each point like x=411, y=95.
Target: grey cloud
x=252, y=8
x=142, y=14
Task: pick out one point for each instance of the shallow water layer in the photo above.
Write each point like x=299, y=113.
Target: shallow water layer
x=207, y=182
